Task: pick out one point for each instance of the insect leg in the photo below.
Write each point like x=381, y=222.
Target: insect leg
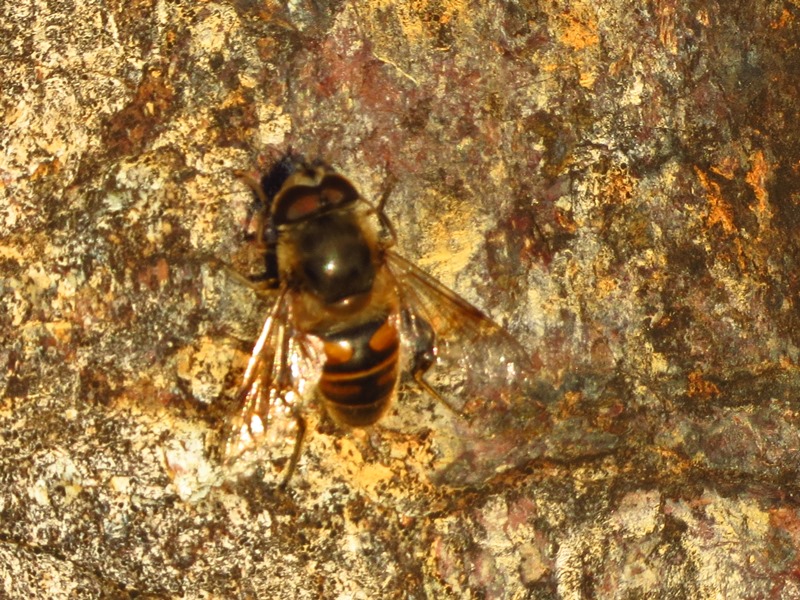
x=260, y=213
x=298, y=448
x=424, y=356
x=260, y=282
x=264, y=237
x=419, y=377
x=391, y=180
x=268, y=279
x=378, y=210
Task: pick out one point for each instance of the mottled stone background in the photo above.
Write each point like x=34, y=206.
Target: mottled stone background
x=617, y=182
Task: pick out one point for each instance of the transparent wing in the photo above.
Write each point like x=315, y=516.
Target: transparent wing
x=266, y=423
x=474, y=357
x=477, y=368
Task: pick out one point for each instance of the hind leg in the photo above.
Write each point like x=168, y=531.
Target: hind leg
x=424, y=358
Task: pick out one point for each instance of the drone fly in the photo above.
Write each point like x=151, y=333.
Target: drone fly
x=350, y=317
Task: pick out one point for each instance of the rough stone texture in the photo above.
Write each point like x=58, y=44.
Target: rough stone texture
x=616, y=181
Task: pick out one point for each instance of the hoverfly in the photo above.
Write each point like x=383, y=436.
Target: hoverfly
x=350, y=316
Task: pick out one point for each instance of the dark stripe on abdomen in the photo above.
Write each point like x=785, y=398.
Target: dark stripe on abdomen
x=360, y=371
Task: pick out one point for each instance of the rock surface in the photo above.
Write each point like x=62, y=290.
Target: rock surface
x=617, y=182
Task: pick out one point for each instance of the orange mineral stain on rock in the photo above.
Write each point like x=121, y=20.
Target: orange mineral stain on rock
x=577, y=30
x=700, y=388
x=757, y=178
x=719, y=211
x=579, y=33
x=422, y=18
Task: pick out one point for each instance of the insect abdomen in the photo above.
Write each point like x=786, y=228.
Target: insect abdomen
x=360, y=372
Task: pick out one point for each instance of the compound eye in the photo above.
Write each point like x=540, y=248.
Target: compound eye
x=337, y=191
x=302, y=204
x=331, y=197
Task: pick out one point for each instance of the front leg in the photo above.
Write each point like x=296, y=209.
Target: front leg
x=262, y=235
